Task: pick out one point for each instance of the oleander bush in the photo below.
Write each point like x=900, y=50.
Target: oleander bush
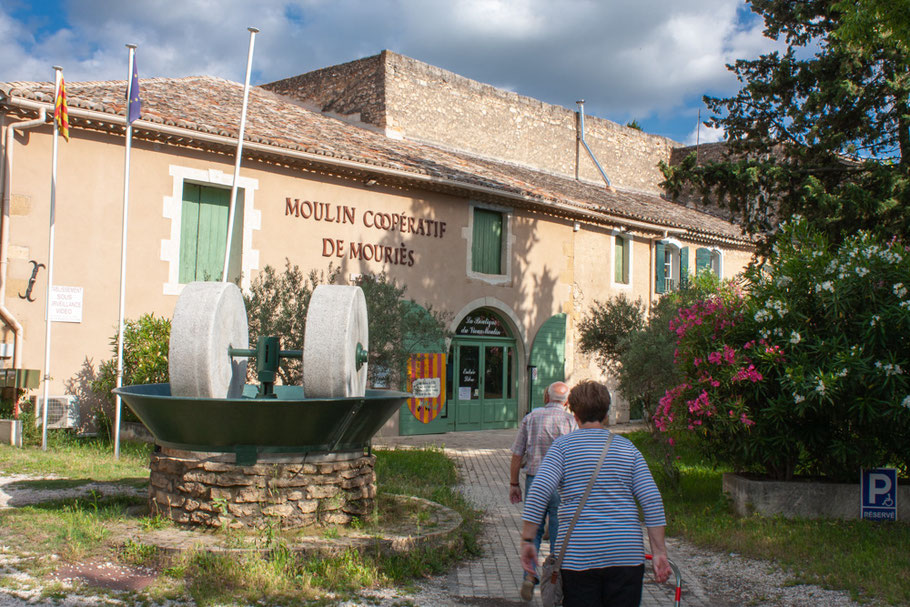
x=804, y=371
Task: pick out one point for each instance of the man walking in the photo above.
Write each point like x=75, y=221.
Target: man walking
x=537, y=431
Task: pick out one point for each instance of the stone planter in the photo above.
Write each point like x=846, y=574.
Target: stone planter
x=802, y=498
x=11, y=432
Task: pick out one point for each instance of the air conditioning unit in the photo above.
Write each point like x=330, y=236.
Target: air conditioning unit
x=62, y=411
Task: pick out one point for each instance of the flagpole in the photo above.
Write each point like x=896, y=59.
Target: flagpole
x=58, y=72
x=233, y=201
x=126, y=211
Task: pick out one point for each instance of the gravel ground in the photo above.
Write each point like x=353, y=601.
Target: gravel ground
x=731, y=580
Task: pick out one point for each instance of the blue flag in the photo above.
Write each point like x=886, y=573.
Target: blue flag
x=135, y=104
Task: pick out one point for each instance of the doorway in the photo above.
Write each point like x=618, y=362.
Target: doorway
x=482, y=371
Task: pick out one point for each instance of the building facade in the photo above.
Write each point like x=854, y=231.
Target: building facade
x=483, y=207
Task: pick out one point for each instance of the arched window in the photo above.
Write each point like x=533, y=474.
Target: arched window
x=671, y=265
x=709, y=259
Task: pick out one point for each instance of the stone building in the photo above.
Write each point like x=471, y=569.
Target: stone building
x=481, y=201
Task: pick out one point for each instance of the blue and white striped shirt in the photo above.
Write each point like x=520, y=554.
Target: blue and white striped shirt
x=608, y=532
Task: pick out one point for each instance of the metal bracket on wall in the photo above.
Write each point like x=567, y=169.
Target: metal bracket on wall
x=31, y=281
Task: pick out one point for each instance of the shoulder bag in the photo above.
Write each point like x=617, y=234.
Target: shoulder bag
x=551, y=579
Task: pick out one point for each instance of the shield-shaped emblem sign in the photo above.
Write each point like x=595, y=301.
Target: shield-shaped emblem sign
x=427, y=382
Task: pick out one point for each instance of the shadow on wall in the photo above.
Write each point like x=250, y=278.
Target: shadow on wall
x=90, y=403
x=439, y=277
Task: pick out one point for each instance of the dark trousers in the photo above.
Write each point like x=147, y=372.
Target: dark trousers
x=607, y=587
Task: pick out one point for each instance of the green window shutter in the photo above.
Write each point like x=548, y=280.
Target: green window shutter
x=702, y=259
x=627, y=269
x=619, y=260
x=203, y=232
x=548, y=354
x=189, y=230
x=683, y=267
x=213, y=219
x=659, y=277
x=486, y=252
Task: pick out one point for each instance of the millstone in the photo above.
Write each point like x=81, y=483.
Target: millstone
x=336, y=322
x=210, y=318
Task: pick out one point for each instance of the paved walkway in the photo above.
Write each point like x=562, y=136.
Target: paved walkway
x=483, y=461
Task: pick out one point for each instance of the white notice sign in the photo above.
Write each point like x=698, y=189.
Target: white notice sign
x=65, y=304
x=425, y=387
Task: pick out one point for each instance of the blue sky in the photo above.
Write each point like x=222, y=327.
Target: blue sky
x=647, y=60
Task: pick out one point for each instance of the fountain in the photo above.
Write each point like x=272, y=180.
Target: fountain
x=241, y=455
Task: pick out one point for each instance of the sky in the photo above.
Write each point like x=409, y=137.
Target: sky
x=644, y=60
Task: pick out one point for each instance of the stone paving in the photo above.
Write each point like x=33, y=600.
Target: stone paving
x=483, y=461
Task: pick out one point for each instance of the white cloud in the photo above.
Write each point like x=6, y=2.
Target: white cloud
x=641, y=59
x=705, y=134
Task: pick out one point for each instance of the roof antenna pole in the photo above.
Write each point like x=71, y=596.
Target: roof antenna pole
x=581, y=138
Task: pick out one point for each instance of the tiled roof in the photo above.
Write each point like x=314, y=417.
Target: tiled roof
x=212, y=106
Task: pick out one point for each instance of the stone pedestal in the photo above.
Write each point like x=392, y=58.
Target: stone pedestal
x=293, y=490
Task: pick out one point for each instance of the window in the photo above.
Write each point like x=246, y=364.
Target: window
x=709, y=259
x=621, y=259
x=489, y=244
x=486, y=252
x=203, y=232
x=199, y=189
x=671, y=265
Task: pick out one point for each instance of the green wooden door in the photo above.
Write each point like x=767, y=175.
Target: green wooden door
x=485, y=392
x=467, y=390
x=548, y=354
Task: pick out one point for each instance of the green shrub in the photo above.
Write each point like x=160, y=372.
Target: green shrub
x=807, y=372
x=606, y=329
x=145, y=350
x=276, y=305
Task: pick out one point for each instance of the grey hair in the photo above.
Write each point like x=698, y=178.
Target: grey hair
x=558, y=392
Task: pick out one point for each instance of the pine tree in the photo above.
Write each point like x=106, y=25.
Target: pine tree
x=821, y=129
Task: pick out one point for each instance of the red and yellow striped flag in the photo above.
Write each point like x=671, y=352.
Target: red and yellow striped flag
x=60, y=114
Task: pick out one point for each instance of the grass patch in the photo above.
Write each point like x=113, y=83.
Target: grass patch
x=79, y=458
x=861, y=557
x=80, y=529
x=72, y=528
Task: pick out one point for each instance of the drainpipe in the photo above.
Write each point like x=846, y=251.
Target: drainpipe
x=581, y=138
x=7, y=181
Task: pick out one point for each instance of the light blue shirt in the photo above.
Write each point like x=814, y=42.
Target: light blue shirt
x=608, y=532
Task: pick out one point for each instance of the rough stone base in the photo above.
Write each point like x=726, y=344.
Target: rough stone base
x=295, y=491
x=802, y=499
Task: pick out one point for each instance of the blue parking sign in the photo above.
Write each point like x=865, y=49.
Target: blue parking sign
x=878, y=501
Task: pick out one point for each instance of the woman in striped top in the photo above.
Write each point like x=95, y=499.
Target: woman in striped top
x=604, y=560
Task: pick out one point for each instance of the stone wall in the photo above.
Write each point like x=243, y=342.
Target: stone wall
x=348, y=89
x=411, y=99
x=425, y=102
x=209, y=490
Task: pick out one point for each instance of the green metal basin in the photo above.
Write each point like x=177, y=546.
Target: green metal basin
x=289, y=423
